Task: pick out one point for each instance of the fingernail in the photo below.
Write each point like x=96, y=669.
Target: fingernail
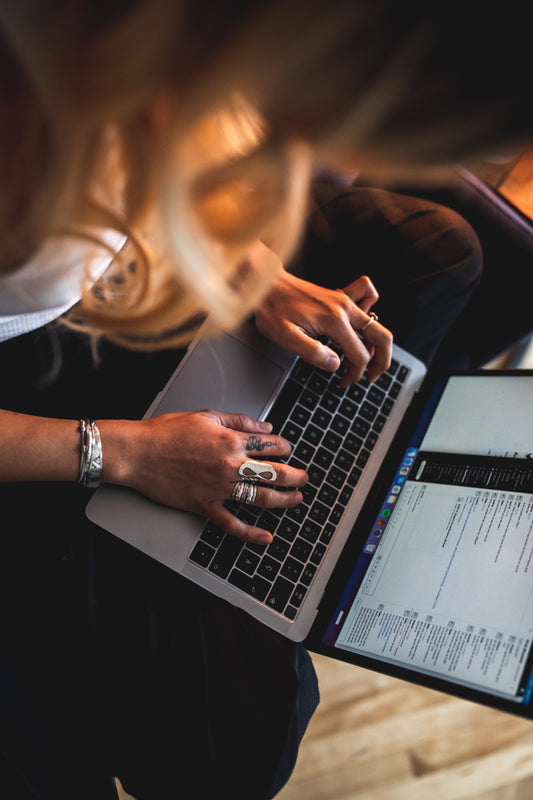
x=263, y=538
x=331, y=362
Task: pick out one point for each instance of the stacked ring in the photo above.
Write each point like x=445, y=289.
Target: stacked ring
x=244, y=492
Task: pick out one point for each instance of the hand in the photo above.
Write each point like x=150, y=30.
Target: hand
x=296, y=312
x=191, y=461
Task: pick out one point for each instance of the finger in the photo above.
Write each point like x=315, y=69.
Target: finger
x=242, y=422
x=363, y=292
x=265, y=447
x=380, y=340
x=311, y=350
x=234, y=526
x=283, y=474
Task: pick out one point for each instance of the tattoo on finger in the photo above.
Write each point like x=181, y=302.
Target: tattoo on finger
x=256, y=443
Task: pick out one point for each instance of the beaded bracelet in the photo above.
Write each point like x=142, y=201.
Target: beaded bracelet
x=90, y=455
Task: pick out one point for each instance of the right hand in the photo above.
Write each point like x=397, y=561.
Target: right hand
x=191, y=461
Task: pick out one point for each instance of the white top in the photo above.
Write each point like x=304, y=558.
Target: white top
x=50, y=283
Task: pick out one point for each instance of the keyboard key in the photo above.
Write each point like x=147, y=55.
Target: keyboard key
x=332, y=441
x=298, y=513
x=292, y=569
x=280, y=594
x=298, y=595
x=225, y=556
x=202, y=553
x=255, y=586
x=301, y=550
x=313, y=435
x=368, y=411
x=330, y=402
x=327, y=534
x=290, y=612
x=278, y=549
x=360, y=427
x=247, y=561
x=308, y=399
x=356, y=392
x=301, y=371
x=321, y=418
x=348, y=408
x=268, y=568
x=354, y=476
x=304, y=452
x=212, y=534
x=316, y=475
x=344, y=460
x=362, y=458
x=340, y=425
x=375, y=395
x=288, y=529
x=353, y=443
x=308, y=574
x=379, y=423
x=384, y=381
x=317, y=383
x=328, y=495
x=324, y=457
x=291, y=432
x=336, y=514
x=300, y=416
x=319, y=513
x=336, y=477
x=402, y=373
x=395, y=390
x=268, y=520
x=310, y=530
x=318, y=553
x=308, y=493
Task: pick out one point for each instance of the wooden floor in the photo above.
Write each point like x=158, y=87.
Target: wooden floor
x=378, y=738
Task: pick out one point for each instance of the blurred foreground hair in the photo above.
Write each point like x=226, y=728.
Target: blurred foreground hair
x=193, y=126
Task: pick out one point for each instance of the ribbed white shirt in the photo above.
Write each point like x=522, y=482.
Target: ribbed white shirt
x=50, y=283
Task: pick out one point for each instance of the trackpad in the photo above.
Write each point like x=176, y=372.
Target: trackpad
x=223, y=374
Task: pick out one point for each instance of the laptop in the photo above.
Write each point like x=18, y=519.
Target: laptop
x=412, y=551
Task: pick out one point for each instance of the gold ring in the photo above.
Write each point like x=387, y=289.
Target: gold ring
x=372, y=318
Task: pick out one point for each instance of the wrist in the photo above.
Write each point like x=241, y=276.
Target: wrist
x=118, y=450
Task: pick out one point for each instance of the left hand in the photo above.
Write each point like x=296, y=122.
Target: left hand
x=296, y=312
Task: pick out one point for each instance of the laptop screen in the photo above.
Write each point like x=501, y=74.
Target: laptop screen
x=444, y=581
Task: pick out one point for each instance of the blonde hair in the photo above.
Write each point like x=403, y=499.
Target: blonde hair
x=192, y=126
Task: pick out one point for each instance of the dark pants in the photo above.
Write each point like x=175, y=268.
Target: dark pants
x=110, y=664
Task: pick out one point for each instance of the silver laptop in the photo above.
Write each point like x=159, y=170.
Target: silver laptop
x=351, y=432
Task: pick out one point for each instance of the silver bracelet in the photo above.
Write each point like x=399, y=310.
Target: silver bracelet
x=90, y=455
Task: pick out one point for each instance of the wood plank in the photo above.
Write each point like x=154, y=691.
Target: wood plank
x=377, y=738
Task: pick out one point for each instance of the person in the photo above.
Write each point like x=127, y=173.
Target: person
x=157, y=159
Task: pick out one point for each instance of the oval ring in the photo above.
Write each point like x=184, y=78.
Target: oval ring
x=257, y=471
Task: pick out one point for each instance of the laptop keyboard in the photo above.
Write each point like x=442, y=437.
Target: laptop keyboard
x=333, y=432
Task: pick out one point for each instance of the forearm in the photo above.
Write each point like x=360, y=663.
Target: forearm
x=45, y=449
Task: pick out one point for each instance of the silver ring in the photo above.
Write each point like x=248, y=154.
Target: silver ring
x=372, y=318
x=257, y=471
x=251, y=493
x=244, y=492
x=238, y=490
